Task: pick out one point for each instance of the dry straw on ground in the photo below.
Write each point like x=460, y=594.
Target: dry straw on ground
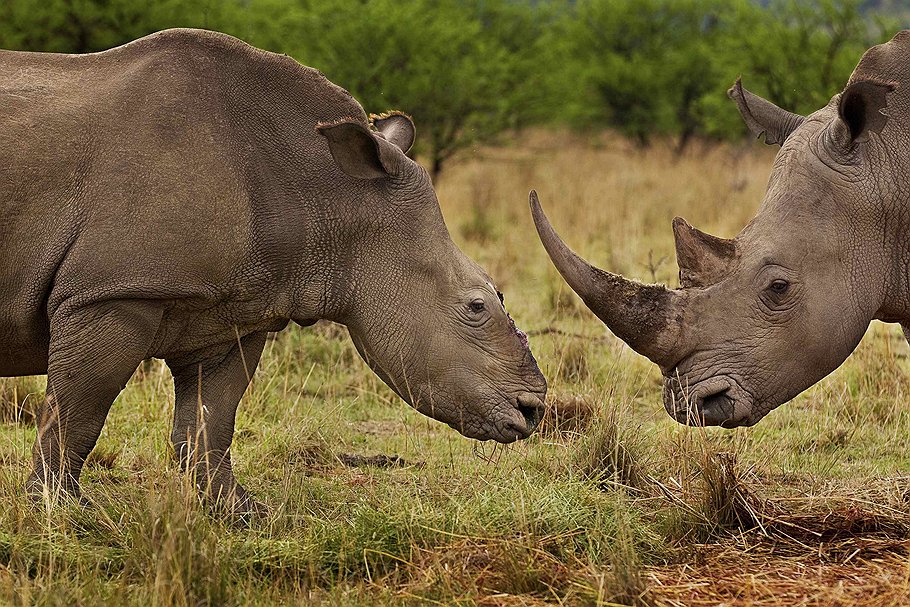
x=611, y=503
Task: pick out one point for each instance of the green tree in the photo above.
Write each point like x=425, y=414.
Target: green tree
x=611, y=72
x=799, y=54
x=469, y=69
x=84, y=26
x=642, y=67
x=661, y=67
x=456, y=67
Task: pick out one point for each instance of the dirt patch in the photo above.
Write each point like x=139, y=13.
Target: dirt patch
x=839, y=535
x=355, y=460
x=496, y=572
x=838, y=558
x=842, y=555
x=311, y=455
x=380, y=427
x=730, y=577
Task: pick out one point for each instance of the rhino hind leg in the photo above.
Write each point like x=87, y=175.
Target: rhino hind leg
x=208, y=388
x=93, y=351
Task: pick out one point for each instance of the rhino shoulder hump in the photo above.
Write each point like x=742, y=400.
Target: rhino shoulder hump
x=226, y=49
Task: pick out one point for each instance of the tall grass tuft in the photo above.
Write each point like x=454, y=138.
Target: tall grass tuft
x=20, y=399
x=175, y=545
x=609, y=453
x=573, y=361
x=711, y=491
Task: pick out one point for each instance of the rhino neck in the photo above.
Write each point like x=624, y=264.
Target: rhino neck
x=302, y=250
x=895, y=306
x=323, y=269
x=894, y=182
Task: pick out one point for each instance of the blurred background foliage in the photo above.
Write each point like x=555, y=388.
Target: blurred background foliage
x=470, y=70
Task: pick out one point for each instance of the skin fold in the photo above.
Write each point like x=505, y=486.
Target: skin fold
x=183, y=195
x=761, y=317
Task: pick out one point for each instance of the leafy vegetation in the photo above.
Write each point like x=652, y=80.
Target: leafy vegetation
x=468, y=70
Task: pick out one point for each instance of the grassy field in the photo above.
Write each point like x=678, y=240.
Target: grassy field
x=612, y=503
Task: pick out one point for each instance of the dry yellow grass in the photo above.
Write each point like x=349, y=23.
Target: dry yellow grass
x=613, y=504
x=613, y=203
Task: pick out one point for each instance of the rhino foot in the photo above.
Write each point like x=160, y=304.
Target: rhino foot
x=237, y=506
x=56, y=491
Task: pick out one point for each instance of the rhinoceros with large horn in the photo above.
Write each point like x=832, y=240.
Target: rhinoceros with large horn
x=760, y=318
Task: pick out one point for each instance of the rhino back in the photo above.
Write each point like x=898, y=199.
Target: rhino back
x=160, y=169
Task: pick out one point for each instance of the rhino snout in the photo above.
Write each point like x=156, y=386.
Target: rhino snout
x=717, y=401
x=523, y=418
x=514, y=419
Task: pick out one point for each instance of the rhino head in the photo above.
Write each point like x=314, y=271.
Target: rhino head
x=428, y=320
x=761, y=317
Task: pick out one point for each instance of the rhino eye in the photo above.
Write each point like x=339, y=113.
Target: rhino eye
x=779, y=287
x=477, y=306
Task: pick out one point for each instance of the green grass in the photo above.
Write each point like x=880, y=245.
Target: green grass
x=616, y=508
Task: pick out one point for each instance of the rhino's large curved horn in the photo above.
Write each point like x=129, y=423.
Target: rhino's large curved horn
x=647, y=317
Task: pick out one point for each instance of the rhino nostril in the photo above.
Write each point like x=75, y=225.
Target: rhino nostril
x=716, y=409
x=715, y=400
x=531, y=409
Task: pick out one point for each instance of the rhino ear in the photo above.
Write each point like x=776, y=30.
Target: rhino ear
x=762, y=116
x=703, y=259
x=860, y=108
x=396, y=127
x=358, y=151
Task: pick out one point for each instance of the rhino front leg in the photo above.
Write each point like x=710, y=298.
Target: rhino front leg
x=207, y=392
x=93, y=351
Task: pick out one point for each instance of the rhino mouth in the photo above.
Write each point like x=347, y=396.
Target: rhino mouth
x=510, y=420
x=716, y=401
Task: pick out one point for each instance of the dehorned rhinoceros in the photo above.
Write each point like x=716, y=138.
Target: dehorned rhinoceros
x=762, y=317
x=184, y=194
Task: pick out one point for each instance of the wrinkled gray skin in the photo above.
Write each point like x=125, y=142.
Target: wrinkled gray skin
x=760, y=318
x=181, y=196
